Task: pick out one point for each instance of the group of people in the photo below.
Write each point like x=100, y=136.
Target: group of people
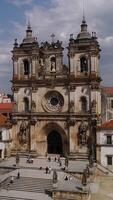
x=29, y=159
x=56, y=159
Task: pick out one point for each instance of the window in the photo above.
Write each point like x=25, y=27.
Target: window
x=109, y=139
x=109, y=160
x=0, y=135
x=26, y=67
x=83, y=104
x=26, y=104
x=83, y=64
x=112, y=103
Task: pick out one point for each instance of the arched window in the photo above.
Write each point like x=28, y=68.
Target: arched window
x=83, y=104
x=26, y=104
x=26, y=67
x=83, y=64
x=53, y=64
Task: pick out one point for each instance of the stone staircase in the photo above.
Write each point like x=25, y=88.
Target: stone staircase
x=80, y=154
x=28, y=184
x=24, y=153
x=104, y=169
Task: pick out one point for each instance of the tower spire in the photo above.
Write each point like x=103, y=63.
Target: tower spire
x=84, y=24
x=83, y=19
x=29, y=30
x=29, y=25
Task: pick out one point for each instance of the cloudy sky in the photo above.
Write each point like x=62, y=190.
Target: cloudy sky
x=61, y=17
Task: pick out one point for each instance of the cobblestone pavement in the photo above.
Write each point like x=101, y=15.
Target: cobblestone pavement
x=103, y=188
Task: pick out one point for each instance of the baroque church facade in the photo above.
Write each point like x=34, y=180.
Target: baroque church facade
x=55, y=104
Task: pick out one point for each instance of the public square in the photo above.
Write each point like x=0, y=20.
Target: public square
x=33, y=181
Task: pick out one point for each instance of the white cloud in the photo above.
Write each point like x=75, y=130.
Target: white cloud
x=108, y=41
x=64, y=17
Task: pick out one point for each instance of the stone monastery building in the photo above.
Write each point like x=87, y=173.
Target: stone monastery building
x=55, y=105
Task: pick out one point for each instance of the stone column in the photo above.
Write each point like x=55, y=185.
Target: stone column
x=32, y=138
x=72, y=139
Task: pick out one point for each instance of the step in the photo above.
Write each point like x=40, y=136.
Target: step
x=28, y=184
x=78, y=156
x=25, y=153
x=11, y=198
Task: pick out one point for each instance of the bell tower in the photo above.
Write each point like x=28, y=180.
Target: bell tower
x=25, y=72
x=26, y=57
x=52, y=54
x=84, y=55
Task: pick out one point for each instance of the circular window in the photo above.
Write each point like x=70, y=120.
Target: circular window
x=53, y=101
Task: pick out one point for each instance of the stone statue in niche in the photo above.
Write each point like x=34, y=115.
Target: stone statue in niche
x=33, y=105
x=53, y=64
x=72, y=106
x=23, y=134
x=82, y=129
x=93, y=106
x=27, y=92
x=41, y=68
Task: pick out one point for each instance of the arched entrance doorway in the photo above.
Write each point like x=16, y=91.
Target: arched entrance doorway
x=54, y=143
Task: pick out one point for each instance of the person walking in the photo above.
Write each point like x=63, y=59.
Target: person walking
x=47, y=169
x=12, y=179
x=18, y=175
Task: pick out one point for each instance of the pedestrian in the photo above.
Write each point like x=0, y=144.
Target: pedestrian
x=18, y=175
x=12, y=179
x=63, y=168
x=60, y=163
x=49, y=159
x=59, y=159
x=40, y=168
x=66, y=178
x=55, y=159
x=47, y=169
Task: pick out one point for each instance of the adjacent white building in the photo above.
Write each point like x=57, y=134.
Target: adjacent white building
x=107, y=103
x=105, y=144
x=5, y=137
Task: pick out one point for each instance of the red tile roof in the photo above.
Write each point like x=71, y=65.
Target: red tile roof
x=107, y=125
x=108, y=90
x=6, y=107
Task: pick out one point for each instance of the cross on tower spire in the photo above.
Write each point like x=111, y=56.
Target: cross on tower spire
x=53, y=36
x=83, y=20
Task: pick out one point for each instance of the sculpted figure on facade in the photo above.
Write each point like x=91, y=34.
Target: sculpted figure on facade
x=72, y=106
x=53, y=64
x=93, y=106
x=23, y=134
x=41, y=68
x=82, y=129
x=33, y=105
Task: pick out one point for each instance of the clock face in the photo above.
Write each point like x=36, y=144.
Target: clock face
x=53, y=101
